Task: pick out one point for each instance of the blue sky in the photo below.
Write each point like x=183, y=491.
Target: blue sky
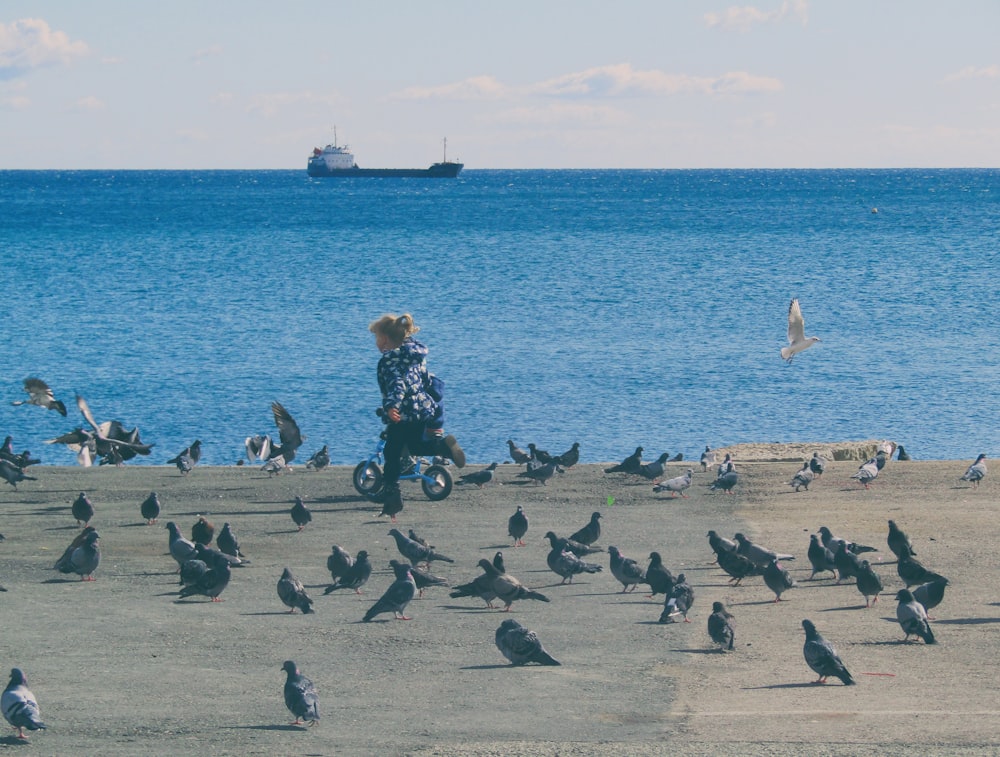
x=514, y=84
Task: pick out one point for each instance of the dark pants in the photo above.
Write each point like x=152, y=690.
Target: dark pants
x=408, y=435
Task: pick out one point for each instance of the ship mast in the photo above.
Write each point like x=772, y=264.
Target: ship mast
x=445, y=160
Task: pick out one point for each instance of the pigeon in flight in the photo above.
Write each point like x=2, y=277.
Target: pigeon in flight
x=480, y=477
x=39, y=394
x=258, y=448
x=912, y=617
x=822, y=658
x=13, y=474
x=320, y=459
x=869, y=583
x=778, y=579
x=106, y=442
x=414, y=551
x=867, y=473
x=517, y=526
x=81, y=557
x=976, y=471
x=354, y=576
x=626, y=570
x=797, y=339
x=521, y=646
x=300, y=695
x=679, y=602
x=293, y=594
x=396, y=597
x=288, y=432
x=149, y=508
x=590, y=532
x=720, y=627
x=19, y=706
x=676, y=485
x=629, y=465
x=300, y=513
x=802, y=478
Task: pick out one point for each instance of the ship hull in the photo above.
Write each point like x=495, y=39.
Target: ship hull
x=319, y=169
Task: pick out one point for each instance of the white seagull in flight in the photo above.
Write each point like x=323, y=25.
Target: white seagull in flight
x=797, y=339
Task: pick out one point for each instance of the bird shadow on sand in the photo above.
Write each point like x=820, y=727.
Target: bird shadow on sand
x=807, y=685
x=272, y=612
x=850, y=607
x=276, y=727
x=486, y=667
x=467, y=609
x=63, y=528
x=499, y=546
x=715, y=652
x=966, y=621
x=14, y=741
x=138, y=525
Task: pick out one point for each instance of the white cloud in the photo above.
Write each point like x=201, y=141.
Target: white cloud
x=975, y=72
x=474, y=88
x=560, y=113
x=30, y=43
x=89, y=103
x=742, y=18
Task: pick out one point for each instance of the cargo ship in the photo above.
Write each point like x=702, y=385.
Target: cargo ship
x=338, y=161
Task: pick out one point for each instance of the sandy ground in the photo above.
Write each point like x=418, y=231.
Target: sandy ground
x=121, y=667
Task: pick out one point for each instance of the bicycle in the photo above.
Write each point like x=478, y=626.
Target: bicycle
x=435, y=480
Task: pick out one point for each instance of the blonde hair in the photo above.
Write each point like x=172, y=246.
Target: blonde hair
x=395, y=327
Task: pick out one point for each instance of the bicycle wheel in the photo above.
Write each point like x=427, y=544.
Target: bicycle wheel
x=367, y=478
x=438, y=483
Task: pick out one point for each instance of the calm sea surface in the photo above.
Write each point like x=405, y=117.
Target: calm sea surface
x=612, y=308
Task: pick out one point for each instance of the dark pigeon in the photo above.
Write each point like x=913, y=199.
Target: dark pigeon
x=821, y=558
x=778, y=579
x=82, y=509
x=912, y=617
x=482, y=585
x=679, y=602
x=655, y=469
x=150, y=508
x=541, y=474
x=213, y=582
x=202, y=532
x=300, y=513
x=737, y=567
x=570, y=457
x=19, y=706
x=626, y=570
x=869, y=583
x=758, y=555
x=288, y=432
x=180, y=548
x=720, y=544
x=658, y=578
x=578, y=549
x=590, y=532
x=931, y=593
x=338, y=562
x=521, y=646
x=227, y=543
x=352, y=577
x=480, y=477
x=726, y=482
x=517, y=526
x=817, y=464
x=414, y=551
x=12, y=474
x=320, y=459
x=629, y=465
x=300, y=695
x=898, y=541
x=720, y=627
x=83, y=559
x=188, y=458
x=40, y=395
x=847, y=563
x=913, y=573
x=293, y=594
x=507, y=588
x=422, y=578
x=565, y=564
x=831, y=542
x=822, y=658
x=540, y=455
x=396, y=597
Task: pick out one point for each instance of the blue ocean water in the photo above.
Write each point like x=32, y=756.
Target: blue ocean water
x=614, y=308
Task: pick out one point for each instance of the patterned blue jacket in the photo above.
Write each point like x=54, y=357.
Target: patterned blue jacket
x=403, y=379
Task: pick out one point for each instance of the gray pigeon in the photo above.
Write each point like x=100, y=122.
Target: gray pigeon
x=721, y=544
x=12, y=474
x=913, y=573
x=293, y=594
x=831, y=542
x=817, y=464
x=931, y=593
x=867, y=473
x=869, y=582
x=227, y=543
x=720, y=627
x=150, y=508
x=912, y=617
x=300, y=695
x=803, y=478
x=300, y=513
x=19, y=706
x=353, y=576
x=578, y=549
x=540, y=474
x=414, y=551
x=517, y=526
x=629, y=465
x=626, y=570
x=521, y=646
x=215, y=579
x=821, y=558
x=679, y=602
x=421, y=578
x=396, y=597
x=193, y=571
x=676, y=485
x=726, y=482
x=188, y=458
x=564, y=563
x=83, y=559
x=758, y=555
x=898, y=541
x=737, y=567
x=320, y=459
x=822, y=658
x=778, y=579
x=338, y=562
x=180, y=548
x=82, y=509
x=507, y=588
x=847, y=563
x=976, y=471
x=590, y=532
x=480, y=477
x=482, y=585
x=655, y=469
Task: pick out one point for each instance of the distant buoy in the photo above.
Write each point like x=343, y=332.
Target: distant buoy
x=874, y=210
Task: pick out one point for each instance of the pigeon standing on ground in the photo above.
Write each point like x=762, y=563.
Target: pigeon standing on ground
x=300, y=513
x=976, y=471
x=414, y=551
x=913, y=572
x=898, y=541
x=821, y=558
x=679, y=602
x=578, y=549
x=726, y=482
x=675, y=485
x=353, y=576
x=320, y=459
x=737, y=567
x=542, y=474
x=40, y=395
x=338, y=562
x=300, y=695
x=758, y=555
x=778, y=579
x=570, y=457
x=629, y=465
x=720, y=627
x=869, y=583
x=707, y=458
x=721, y=544
x=867, y=473
x=518, y=455
x=150, y=508
x=658, y=578
x=19, y=706
x=847, y=563
x=521, y=646
x=480, y=477
x=517, y=526
x=202, y=532
x=293, y=594
x=912, y=617
x=817, y=464
x=832, y=542
x=187, y=459
x=564, y=563
x=540, y=455
x=931, y=593
x=83, y=559
x=797, y=339
x=82, y=509
x=901, y=454
x=822, y=658
x=626, y=570
x=421, y=578
x=655, y=469
x=180, y=548
x=507, y=588
x=215, y=579
x=482, y=585
x=227, y=543
x=396, y=597
x=802, y=478
x=590, y=532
